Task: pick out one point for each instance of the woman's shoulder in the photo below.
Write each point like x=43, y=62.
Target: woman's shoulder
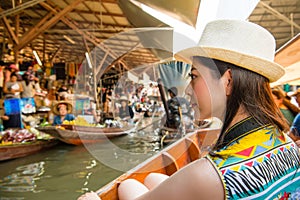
x=201, y=179
x=70, y=116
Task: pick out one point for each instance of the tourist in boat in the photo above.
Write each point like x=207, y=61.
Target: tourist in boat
x=288, y=109
x=125, y=111
x=62, y=112
x=253, y=158
x=295, y=130
x=179, y=109
x=174, y=109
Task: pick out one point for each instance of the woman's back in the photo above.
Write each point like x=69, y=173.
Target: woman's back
x=258, y=162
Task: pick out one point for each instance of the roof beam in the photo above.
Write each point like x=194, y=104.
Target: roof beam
x=32, y=31
x=10, y=31
x=19, y=8
x=90, y=37
x=121, y=57
x=55, y=53
x=86, y=23
x=29, y=37
x=85, y=44
x=278, y=14
x=98, y=13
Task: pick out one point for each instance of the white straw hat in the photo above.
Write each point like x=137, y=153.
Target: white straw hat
x=242, y=43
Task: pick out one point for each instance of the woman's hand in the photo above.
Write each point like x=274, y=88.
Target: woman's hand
x=89, y=196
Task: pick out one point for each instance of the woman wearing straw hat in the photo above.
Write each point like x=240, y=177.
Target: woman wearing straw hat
x=252, y=158
x=125, y=111
x=62, y=112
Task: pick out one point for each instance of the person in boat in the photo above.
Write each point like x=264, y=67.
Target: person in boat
x=62, y=111
x=174, y=109
x=13, y=88
x=179, y=108
x=295, y=130
x=10, y=120
x=125, y=111
x=288, y=109
x=296, y=95
x=91, y=110
x=252, y=158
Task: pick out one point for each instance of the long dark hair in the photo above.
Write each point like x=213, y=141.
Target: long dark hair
x=250, y=90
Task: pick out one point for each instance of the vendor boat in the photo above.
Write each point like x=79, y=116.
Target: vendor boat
x=187, y=149
x=170, y=135
x=18, y=150
x=78, y=135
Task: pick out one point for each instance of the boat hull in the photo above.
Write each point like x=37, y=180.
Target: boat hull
x=13, y=151
x=187, y=149
x=78, y=135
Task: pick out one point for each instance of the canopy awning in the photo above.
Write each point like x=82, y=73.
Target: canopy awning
x=289, y=53
x=292, y=75
x=185, y=11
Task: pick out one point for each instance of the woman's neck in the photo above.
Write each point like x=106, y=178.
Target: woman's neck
x=240, y=115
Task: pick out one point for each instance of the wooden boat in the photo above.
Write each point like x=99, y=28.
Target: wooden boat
x=168, y=161
x=77, y=135
x=170, y=135
x=18, y=150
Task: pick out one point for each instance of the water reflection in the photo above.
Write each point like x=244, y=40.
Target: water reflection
x=23, y=180
x=66, y=171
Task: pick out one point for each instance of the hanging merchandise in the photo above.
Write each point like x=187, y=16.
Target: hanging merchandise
x=72, y=69
x=48, y=69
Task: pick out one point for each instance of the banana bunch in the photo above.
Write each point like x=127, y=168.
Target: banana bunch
x=80, y=121
x=66, y=122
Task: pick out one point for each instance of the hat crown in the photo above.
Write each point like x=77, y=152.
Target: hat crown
x=123, y=98
x=240, y=36
x=241, y=43
x=173, y=90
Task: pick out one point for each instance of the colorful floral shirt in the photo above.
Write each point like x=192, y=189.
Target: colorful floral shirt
x=258, y=162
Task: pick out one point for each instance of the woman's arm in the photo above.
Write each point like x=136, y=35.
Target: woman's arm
x=4, y=117
x=198, y=180
x=5, y=89
x=20, y=87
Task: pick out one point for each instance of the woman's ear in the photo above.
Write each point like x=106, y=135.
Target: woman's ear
x=228, y=82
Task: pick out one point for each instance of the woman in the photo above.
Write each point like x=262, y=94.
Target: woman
x=288, y=110
x=62, y=112
x=295, y=130
x=12, y=69
x=296, y=95
x=125, y=111
x=12, y=88
x=28, y=87
x=2, y=68
x=252, y=157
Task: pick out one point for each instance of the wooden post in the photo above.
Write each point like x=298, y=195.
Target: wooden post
x=163, y=98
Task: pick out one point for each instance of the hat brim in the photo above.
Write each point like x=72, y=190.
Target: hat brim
x=55, y=109
x=120, y=100
x=266, y=68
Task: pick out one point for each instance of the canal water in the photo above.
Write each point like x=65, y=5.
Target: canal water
x=67, y=171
